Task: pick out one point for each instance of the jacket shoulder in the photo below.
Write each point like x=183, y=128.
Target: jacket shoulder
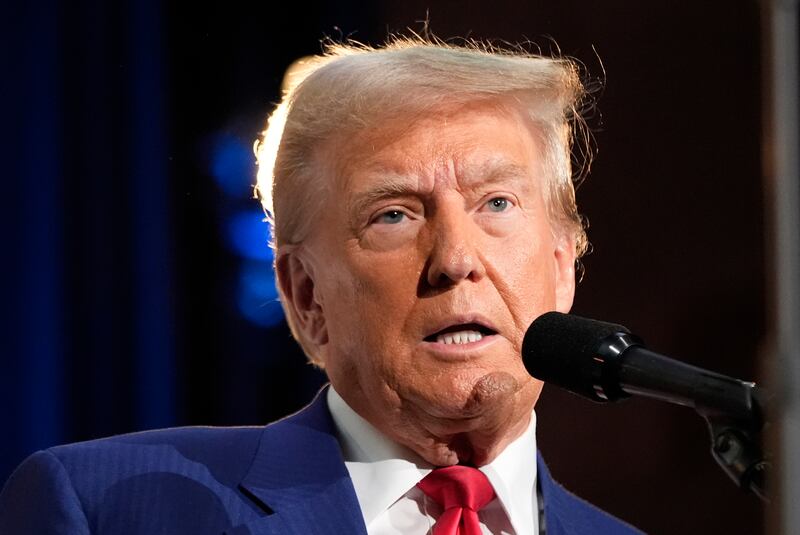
x=171, y=477
x=39, y=498
x=224, y=451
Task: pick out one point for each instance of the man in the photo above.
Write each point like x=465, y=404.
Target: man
x=424, y=216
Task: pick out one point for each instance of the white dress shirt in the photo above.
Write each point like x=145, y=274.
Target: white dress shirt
x=385, y=475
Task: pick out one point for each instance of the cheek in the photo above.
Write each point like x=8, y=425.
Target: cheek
x=371, y=299
x=536, y=270
x=526, y=267
x=385, y=279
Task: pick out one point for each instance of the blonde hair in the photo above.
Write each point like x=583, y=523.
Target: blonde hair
x=353, y=86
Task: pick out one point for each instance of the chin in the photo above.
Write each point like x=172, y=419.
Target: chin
x=470, y=394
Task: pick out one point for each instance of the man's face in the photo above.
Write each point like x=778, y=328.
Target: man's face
x=432, y=256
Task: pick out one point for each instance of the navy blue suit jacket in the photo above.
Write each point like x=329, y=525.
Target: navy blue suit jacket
x=285, y=478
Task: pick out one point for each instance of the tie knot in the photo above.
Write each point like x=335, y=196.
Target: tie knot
x=458, y=486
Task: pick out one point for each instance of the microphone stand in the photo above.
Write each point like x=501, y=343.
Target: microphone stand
x=735, y=439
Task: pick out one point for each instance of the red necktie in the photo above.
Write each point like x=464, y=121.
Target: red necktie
x=461, y=491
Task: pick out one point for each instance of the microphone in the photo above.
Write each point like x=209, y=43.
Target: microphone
x=605, y=362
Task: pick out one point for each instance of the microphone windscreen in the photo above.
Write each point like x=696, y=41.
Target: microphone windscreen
x=561, y=348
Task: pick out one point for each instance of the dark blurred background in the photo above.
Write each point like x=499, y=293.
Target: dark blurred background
x=136, y=278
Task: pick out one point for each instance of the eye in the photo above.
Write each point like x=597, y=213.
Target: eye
x=392, y=217
x=498, y=204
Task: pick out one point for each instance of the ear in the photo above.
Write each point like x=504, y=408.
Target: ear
x=564, y=259
x=295, y=276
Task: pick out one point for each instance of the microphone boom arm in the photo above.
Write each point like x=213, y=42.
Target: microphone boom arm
x=733, y=409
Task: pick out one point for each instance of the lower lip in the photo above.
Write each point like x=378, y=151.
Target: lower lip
x=460, y=350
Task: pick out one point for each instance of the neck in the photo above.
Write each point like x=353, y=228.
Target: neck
x=475, y=436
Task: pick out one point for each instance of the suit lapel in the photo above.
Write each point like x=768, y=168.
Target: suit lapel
x=298, y=476
x=556, y=522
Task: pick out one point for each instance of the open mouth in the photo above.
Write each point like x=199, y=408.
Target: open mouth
x=464, y=333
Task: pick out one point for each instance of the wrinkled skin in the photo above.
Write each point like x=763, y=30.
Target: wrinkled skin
x=428, y=224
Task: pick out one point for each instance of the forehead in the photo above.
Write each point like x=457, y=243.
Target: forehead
x=463, y=148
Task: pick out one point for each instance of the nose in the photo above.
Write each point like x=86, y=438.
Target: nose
x=454, y=256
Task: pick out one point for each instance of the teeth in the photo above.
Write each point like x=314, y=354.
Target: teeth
x=460, y=337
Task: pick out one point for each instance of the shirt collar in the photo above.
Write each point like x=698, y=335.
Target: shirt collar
x=383, y=471
x=513, y=476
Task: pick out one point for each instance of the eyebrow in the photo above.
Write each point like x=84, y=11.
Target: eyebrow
x=494, y=172
x=392, y=184
x=389, y=185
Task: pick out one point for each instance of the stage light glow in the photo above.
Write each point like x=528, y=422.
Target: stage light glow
x=248, y=235
x=257, y=296
x=232, y=165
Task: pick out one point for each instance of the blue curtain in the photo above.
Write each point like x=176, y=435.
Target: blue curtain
x=88, y=324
